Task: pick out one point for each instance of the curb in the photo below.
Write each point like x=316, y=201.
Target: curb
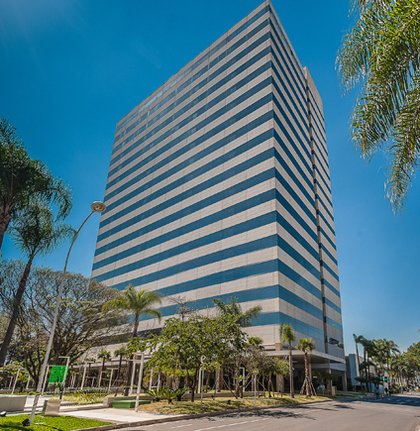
x=196, y=416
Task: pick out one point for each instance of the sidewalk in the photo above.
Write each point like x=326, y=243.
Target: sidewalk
x=119, y=416
x=125, y=419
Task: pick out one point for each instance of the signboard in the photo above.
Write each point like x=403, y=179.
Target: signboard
x=58, y=374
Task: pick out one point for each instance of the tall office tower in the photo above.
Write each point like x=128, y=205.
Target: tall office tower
x=219, y=186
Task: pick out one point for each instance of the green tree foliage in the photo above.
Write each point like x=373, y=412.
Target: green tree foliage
x=306, y=345
x=137, y=302
x=81, y=322
x=120, y=353
x=105, y=356
x=288, y=336
x=244, y=319
x=254, y=358
x=182, y=343
x=23, y=179
x=357, y=341
x=384, y=357
x=382, y=51
x=325, y=377
x=36, y=232
x=382, y=352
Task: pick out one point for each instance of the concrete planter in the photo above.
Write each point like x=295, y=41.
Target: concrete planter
x=12, y=403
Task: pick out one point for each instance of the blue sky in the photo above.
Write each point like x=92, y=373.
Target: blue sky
x=70, y=69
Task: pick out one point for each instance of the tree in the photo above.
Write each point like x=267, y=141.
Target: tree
x=81, y=323
x=22, y=179
x=105, y=356
x=244, y=320
x=120, y=352
x=287, y=335
x=382, y=51
x=380, y=354
x=182, y=306
x=325, y=376
x=36, y=232
x=357, y=341
x=306, y=345
x=138, y=303
x=182, y=343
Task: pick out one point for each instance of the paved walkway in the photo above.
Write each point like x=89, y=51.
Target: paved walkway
x=113, y=415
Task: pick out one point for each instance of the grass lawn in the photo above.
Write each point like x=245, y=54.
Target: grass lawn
x=219, y=404
x=44, y=423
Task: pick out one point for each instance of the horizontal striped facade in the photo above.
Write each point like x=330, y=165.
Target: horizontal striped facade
x=219, y=187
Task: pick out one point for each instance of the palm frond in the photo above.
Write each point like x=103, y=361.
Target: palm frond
x=383, y=50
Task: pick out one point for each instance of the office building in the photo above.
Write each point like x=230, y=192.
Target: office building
x=219, y=186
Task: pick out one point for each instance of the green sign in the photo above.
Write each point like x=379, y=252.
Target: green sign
x=58, y=374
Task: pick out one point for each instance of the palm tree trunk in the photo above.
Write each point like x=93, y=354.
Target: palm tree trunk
x=136, y=325
x=292, y=389
x=130, y=370
x=130, y=364
x=16, y=306
x=357, y=358
x=308, y=388
x=4, y=222
x=100, y=371
x=119, y=371
x=366, y=371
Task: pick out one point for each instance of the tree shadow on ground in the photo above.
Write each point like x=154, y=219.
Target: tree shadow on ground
x=268, y=413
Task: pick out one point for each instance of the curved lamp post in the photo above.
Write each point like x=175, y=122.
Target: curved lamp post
x=96, y=207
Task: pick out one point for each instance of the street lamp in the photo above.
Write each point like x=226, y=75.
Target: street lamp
x=67, y=358
x=96, y=207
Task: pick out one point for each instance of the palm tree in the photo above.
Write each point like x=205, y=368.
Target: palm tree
x=234, y=309
x=138, y=303
x=36, y=232
x=105, y=356
x=380, y=355
x=287, y=335
x=89, y=361
x=244, y=320
x=22, y=179
x=306, y=345
x=368, y=352
x=391, y=349
x=382, y=51
x=358, y=340
x=122, y=351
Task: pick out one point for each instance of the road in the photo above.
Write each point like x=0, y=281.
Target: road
x=396, y=413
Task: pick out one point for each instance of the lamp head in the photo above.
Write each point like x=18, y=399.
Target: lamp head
x=98, y=207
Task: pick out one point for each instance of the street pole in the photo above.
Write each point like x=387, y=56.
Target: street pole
x=203, y=360
x=67, y=358
x=201, y=386
x=14, y=385
x=84, y=376
x=110, y=380
x=98, y=207
x=133, y=373
x=139, y=381
x=45, y=381
x=255, y=387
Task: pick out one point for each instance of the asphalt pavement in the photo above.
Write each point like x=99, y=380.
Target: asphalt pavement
x=396, y=413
